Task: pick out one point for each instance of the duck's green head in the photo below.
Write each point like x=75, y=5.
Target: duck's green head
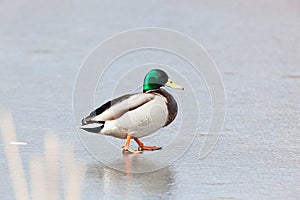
x=157, y=78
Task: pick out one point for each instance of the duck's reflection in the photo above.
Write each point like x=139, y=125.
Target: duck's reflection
x=127, y=184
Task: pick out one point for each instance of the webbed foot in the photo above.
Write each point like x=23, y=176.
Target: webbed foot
x=142, y=147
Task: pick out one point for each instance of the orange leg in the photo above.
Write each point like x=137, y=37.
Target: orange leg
x=147, y=148
x=127, y=143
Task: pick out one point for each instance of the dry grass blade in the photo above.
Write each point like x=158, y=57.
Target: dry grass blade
x=51, y=144
x=38, y=184
x=74, y=175
x=44, y=179
x=13, y=157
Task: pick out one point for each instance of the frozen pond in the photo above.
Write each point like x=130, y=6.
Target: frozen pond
x=256, y=46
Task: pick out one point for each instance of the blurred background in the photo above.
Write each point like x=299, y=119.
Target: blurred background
x=256, y=46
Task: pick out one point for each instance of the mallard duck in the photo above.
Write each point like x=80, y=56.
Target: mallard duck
x=134, y=116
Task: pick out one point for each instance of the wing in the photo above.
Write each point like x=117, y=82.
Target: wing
x=116, y=108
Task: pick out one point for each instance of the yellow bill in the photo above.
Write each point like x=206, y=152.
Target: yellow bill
x=172, y=84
